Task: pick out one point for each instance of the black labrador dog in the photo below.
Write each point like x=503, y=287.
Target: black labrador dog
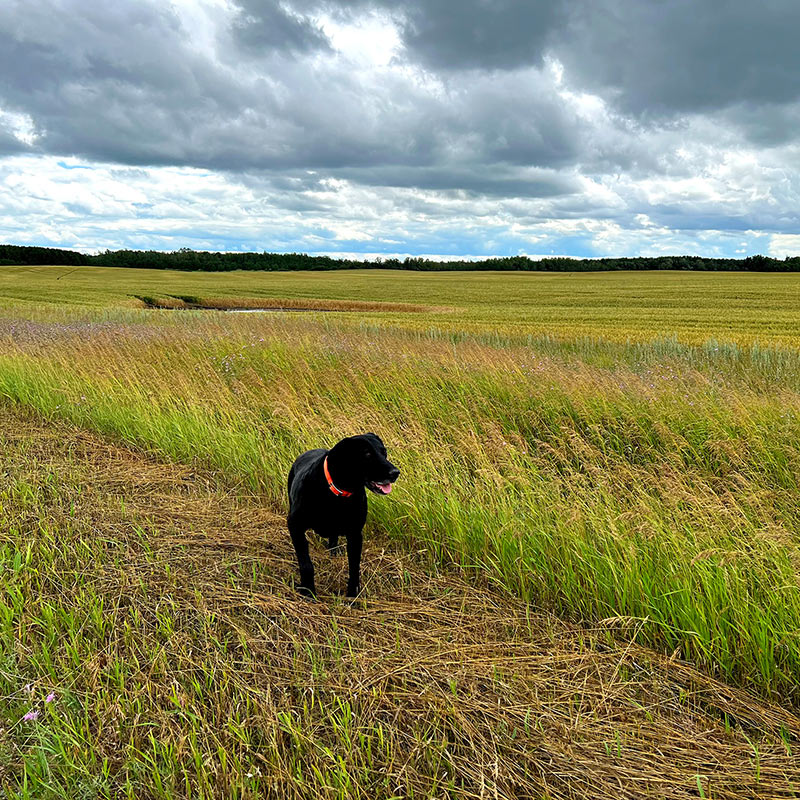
x=326, y=494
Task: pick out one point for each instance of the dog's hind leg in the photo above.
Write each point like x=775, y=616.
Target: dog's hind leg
x=297, y=530
x=354, y=542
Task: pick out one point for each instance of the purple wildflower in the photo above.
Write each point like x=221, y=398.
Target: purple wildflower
x=50, y=697
x=31, y=715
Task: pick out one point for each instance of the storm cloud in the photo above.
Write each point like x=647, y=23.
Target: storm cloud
x=559, y=126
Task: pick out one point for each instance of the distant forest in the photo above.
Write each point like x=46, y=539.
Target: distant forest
x=194, y=260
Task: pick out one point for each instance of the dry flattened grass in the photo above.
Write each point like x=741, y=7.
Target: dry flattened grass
x=286, y=304
x=427, y=685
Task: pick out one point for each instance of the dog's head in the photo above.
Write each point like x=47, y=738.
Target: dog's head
x=361, y=461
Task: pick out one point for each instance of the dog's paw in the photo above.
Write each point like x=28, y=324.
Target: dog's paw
x=309, y=592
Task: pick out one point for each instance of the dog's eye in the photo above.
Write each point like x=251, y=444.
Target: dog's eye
x=368, y=454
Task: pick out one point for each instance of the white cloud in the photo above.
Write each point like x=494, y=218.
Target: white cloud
x=371, y=40
x=21, y=126
x=782, y=245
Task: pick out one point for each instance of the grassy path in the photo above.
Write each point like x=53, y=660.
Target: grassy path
x=158, y=609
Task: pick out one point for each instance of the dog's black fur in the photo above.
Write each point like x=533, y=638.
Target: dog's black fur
x=354, y=463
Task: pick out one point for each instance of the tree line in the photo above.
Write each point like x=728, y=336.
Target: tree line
x=204, y=261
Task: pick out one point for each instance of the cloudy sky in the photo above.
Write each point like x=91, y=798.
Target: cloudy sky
x=427, y=127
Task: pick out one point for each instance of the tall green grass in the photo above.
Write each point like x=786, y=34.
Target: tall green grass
x=651, y=482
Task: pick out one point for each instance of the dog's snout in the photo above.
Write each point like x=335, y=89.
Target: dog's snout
x=394, y=474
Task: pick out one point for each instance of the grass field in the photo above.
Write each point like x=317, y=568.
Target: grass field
x=620, y=451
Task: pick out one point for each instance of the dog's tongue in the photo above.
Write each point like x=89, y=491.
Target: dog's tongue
x=385, y=487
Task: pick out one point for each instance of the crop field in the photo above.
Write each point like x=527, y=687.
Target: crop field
x=585, y=584
x=744, y=308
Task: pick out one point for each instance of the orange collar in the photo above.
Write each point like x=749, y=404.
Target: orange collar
x=338, y=492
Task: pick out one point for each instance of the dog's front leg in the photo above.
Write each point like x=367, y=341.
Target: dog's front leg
x=298, y=533
x=354, y=542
